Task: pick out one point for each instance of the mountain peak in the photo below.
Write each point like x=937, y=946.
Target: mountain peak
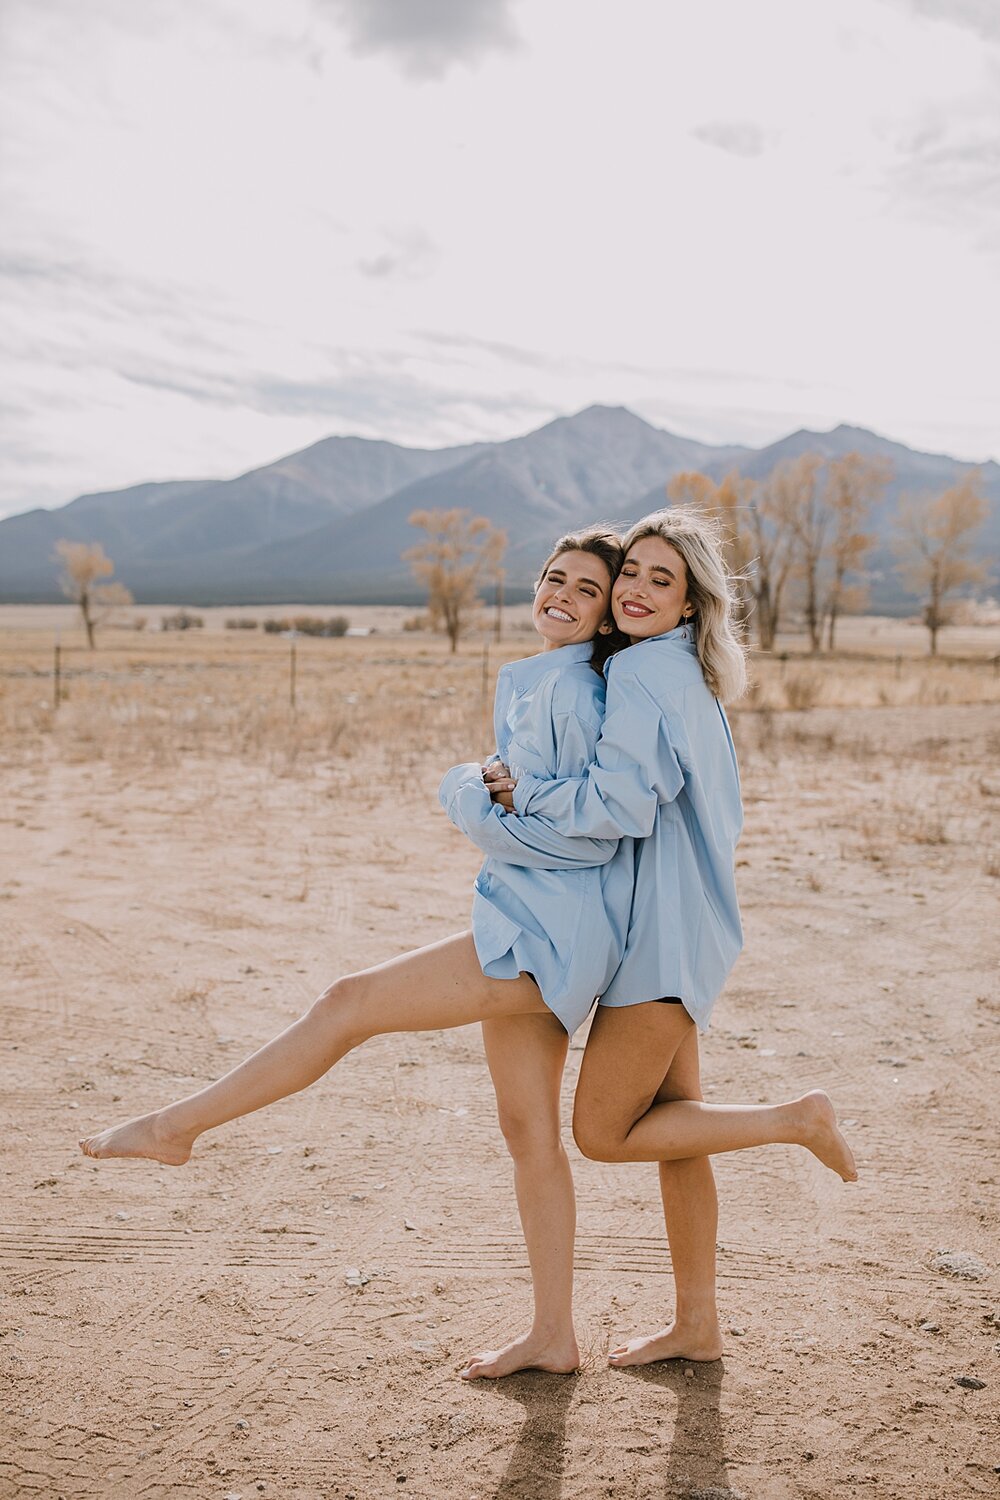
x=606, y=420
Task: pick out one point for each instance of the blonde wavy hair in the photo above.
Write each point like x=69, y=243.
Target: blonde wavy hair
x=700, y=541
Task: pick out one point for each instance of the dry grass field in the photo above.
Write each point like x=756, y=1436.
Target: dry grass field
x=187, y=859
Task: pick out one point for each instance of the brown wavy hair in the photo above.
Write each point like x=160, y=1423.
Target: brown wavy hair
x=602, y=541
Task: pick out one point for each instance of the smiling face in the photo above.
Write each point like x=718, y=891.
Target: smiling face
x=572, y=600
x=650, y=593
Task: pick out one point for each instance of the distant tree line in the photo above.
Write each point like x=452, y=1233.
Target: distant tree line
x=800, y=535
x=802, y=531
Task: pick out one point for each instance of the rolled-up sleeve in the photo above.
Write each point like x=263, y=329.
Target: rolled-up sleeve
x=636, y=769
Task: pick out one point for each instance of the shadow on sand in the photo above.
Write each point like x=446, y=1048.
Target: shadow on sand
x=696, y=1462
x=536, y=1467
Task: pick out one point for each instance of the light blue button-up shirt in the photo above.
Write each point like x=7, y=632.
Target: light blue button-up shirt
x=664, y=774
x=545, y=903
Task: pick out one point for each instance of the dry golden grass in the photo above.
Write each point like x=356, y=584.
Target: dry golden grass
x=373, y=702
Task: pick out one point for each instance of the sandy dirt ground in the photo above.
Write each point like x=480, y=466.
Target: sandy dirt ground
x=203, y=1332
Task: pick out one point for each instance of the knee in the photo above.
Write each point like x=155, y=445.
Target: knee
x=342, y=1004
x=597, y=1139
x=526, y=1136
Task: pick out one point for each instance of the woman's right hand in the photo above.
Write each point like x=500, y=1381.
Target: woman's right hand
x=502, y=792
x=495, y=770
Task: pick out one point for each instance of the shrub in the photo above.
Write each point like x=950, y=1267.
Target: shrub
x=241, y=624
x=802, y=689
x=309, y=625
x=182, y=620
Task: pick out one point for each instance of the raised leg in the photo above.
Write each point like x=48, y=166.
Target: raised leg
x=526, y=1056
x=432, y=988
x=691, y=1214
x=617, y=1118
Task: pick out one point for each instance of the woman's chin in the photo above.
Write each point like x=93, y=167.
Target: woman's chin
x=555, y=637
x=639, y=630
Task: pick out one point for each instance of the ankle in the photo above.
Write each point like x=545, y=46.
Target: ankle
x=700, y=1312
x=550, y=1330
x=170, y=1121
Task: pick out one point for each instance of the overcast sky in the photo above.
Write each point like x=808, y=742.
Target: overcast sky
x=232, y=227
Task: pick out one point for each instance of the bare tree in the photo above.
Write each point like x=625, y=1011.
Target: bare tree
x=728, y=502
x=933, y=537
x=802, y=500
x=460, y=553
x=853, y=485
x=771, y=539
x=84, y=564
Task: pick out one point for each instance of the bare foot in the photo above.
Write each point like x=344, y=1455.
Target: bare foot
x=821, y=1134
x=557, y=1355
x=147, y=1136
x=700, y=1342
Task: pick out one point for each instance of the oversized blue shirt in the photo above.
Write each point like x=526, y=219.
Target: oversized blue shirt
x=545, y=903
x=665, y=775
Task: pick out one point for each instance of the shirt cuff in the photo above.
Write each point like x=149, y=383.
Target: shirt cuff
x=523, y=793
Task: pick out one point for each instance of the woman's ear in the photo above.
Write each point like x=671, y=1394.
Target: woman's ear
x=606, y=628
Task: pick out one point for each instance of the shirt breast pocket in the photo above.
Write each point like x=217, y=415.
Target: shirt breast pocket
x=526, y=758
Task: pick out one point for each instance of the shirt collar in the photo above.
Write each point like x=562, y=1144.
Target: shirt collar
x=530, y=669
x=682, y=636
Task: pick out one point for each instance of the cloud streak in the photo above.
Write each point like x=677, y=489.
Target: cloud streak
x=410, y=255
x=738, y=137
x=980, y=16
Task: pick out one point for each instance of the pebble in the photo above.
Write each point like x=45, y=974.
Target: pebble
x=970, y=1382
x=738, y=1333
x=960, y=1263
x=688, y=1372
x=930, y=1328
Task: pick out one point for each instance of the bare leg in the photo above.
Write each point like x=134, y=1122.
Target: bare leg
x=432, y=988
x=691, y=1213
x=626, y=1110
x=617, y=1119
x=527, y=1055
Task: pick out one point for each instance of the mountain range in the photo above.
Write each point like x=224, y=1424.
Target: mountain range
x=330, y=524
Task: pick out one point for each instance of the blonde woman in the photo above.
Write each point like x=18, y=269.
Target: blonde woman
x=665, y=774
